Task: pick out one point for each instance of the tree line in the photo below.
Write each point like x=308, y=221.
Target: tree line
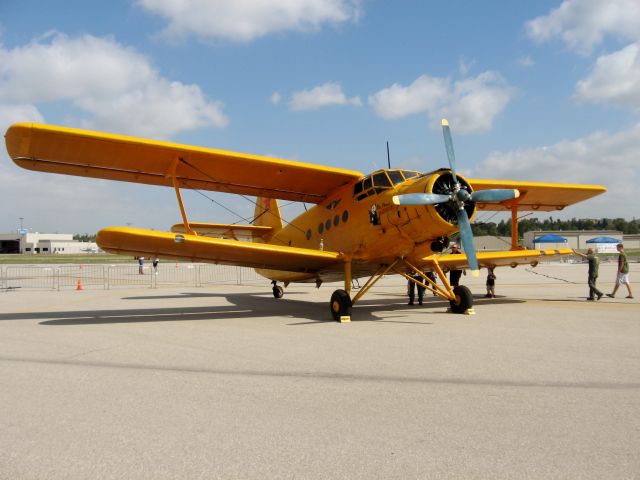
x=503, y=228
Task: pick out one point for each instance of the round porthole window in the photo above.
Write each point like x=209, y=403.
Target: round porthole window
x=345, y=216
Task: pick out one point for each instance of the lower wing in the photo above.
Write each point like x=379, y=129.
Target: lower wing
x=140, y=242
x=498, y=259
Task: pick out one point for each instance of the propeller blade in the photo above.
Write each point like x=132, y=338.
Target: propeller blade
x=495, y=195
x=448, y=143
x=419, y=199
x=466, y=236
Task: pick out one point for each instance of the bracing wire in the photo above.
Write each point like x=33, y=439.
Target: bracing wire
x=243, y=196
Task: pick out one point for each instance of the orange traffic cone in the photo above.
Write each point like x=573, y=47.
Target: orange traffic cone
x=79, y=286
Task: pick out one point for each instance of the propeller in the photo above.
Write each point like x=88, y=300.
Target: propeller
x=420, y=199
x=456, y=197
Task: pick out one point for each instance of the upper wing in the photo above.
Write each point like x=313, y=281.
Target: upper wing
x=140, y=242
x=116, y=157
x=501, y=258
x=538, y=196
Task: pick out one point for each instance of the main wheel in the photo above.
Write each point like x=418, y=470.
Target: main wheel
x=278, y=291
x=463, y=301
x=340, y=304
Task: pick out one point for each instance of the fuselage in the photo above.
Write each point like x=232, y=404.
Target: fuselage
x=361, y=222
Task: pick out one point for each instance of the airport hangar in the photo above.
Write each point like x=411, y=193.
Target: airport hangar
x=25, y=242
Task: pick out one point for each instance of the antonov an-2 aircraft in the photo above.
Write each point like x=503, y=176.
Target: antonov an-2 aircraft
x=390, y=221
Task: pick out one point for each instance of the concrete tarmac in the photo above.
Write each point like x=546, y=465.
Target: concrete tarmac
x=230, y=383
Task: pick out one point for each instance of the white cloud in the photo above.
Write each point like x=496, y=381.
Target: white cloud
x=470, y=104
x=583, y=24
x=246, y=20
x=398, y=101
x=14, y=113
x=601, y=158
x=525, y=61
x=615, y=79
x=114, y=87
x=321, y=96
x=275, y=98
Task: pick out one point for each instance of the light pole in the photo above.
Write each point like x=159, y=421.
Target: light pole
x=21, y=219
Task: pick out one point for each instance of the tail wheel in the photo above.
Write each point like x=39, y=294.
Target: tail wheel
x=278, y=291
x=463, y=301
x=340, y=304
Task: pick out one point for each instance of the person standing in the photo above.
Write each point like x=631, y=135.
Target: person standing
x=141, y=265
x=454, y=275
x=155, y=264
x=594, y=264
x=623, y=272
x=412, y=289
x=491, y=283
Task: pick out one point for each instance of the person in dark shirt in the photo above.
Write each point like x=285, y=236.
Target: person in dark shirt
x=594, y=264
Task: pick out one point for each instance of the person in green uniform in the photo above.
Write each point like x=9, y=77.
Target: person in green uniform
x=623, y=272
x=594, y=263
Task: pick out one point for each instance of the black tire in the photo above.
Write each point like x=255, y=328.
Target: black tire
x=340, y=305
x=278, y=291
x=463, y=301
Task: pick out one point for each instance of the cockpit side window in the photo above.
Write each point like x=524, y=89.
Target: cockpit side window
x=380, y=179
x=410, y=173
x=395, y=176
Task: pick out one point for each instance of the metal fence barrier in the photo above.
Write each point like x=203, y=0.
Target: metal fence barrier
x=81, y=276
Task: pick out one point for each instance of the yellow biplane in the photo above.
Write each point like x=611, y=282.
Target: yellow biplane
x=390, y=221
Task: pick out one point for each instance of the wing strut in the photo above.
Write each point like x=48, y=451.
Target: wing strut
x=514, y=227
x=171, y=173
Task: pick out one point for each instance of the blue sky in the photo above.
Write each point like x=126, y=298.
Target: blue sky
x=544, y=91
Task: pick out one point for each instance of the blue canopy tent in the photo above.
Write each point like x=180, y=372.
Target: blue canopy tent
x=550, y=238
x=604, y=240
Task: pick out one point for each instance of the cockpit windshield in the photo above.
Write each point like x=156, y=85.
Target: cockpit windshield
x=380, y=181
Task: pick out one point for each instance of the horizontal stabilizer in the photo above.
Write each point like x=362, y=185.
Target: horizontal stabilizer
x=222, y=230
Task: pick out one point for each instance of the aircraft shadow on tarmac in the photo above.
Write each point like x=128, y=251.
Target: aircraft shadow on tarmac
x=383, y=308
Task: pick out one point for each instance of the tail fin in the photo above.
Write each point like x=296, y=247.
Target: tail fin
x=267, y=214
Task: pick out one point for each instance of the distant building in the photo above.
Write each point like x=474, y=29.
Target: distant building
x=488, y=243
x=47, y=243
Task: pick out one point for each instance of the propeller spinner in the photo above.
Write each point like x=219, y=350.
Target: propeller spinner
x=457, y=197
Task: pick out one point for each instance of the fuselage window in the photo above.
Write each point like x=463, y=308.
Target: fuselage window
x=327, y=225
x=336, y=220
x=320, y=229
x=357, y=188
x=367, y=183
x=345, y=216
